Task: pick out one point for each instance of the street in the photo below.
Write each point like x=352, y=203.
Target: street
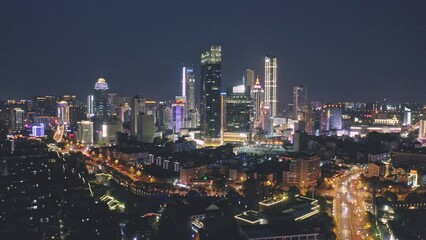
x=349, y=207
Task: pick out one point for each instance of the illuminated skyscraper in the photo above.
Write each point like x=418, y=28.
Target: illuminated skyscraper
x=101, y=99
x=63, y=112
x=271, y=84
x=211, y=79
x=300, y=102
x=188, y=87
x=257, y=95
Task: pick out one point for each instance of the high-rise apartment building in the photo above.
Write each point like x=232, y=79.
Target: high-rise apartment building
x=271, y=84
x=211, y=79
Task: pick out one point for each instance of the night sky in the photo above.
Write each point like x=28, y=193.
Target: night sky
x=341, y=50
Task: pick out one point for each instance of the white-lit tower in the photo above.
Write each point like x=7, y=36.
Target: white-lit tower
x=271, y=84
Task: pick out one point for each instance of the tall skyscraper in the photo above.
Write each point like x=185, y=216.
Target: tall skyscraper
x=211, y=79
x=249, y=77
x=101, y=99
x=137, y=106
x=257, y=96
x=271, y=84
x=188, y=87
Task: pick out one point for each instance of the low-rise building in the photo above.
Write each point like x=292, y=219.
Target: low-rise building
x=186, y=174
x=376, y=169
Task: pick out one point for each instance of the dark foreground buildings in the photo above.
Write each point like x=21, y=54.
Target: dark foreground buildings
x=44, y=196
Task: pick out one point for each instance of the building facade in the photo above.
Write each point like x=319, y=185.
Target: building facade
x=331, y=117
x=304, y=172
x=238, y=109
x=85, y=132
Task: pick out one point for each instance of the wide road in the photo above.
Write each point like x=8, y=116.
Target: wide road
x=349, y=207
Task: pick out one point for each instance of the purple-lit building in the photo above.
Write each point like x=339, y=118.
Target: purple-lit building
x=178, y=114
x=38, y=131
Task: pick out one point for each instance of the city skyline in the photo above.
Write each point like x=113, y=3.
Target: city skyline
x=196, y=120
x=379, y=49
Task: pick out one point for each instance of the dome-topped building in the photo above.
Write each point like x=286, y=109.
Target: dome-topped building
x=101, y=84
x=101, y=99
